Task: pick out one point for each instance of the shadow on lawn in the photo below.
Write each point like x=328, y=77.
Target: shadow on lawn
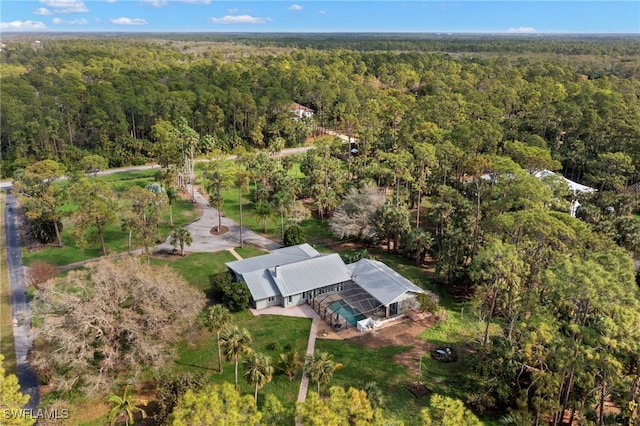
x=200, y=367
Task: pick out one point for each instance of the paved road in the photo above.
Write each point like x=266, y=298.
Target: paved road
x=283, y=153
x=20, y=306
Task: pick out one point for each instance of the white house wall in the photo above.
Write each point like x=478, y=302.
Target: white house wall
x=265, y=303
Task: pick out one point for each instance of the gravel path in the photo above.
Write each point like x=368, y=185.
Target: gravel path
x=205, y=242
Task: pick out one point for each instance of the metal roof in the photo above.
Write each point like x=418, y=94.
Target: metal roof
x=380, y=281
x=260, y=284
x=277, y=257
x=310, y=274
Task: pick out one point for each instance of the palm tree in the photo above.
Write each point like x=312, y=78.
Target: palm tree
x=216, y=180
x=157, y=190
x=282, y=201
x=417, y=243
x=217, y=318
x=258, y=371
x=326, y=201
x=167, y=179
x=320, y=368
x=235, y=344
x=289, y=363
x=126, y=405
x=181, y=237
x=242, y=183
x=263, y=210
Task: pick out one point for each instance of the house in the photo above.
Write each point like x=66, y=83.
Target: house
x=341, y=294
x=280, y=257
x=300, y=111
x=574, y=187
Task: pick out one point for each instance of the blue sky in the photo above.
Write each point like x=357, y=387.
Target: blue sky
x=418, y=16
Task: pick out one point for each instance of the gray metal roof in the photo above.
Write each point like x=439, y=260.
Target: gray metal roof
x=281, y=256
x=380, y=281
x=260, y=284
x=310, y=274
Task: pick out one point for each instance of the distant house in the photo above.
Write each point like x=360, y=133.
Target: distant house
x=574, y=187
x=341, y=294
x=300, y=111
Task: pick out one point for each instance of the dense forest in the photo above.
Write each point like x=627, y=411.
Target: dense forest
x=62, y=99
x=453, y=130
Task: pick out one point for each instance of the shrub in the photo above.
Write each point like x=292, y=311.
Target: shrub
x=234, y=295
x=427, y=303
x=43, y=231
x=293, y=235
x=171, y=387
x=40, y=272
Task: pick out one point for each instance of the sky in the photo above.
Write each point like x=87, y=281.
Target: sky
x=414, y=16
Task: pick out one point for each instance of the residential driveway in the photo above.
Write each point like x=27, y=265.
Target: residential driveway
x=20, y=306
x=205, y=242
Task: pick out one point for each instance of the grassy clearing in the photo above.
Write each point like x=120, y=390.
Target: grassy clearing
x=197, y=268
x=199, y=352
x=7, y=347
x=116, y=239
x=362, y=365
x=249, y=251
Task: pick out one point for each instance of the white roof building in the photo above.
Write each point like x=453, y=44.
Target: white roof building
x=296, y=275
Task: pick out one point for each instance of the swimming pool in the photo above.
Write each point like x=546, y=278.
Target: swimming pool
x=341, y=308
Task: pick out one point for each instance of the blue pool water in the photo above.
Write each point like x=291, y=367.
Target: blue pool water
x=345, y=311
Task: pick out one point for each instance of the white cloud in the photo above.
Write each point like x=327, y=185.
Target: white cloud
x=59, y=21
x=295, y=7
x=196, y=1
x=66, y=6
x=233, y=11
x=322, y=12
x=43, y=11
x=522, y=30
x=155, y=3
x=23, y=26
x=239, y=19
x=129, y=21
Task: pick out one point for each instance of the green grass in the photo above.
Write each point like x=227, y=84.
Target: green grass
x=249, y=251
x=362, y=365
x=199, y=353
x=316, y=231
x=460, y=328
x=116, y=239
x=197, y=268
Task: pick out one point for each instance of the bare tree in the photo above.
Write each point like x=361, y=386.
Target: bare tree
x=114, y=317
x=356, y=215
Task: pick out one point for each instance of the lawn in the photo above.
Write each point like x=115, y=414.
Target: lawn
x=317, y=232
x=197, y=268
x=362, y=365
x=460, y=328
x=271, y=335
x=7, y=347
x=250, y=251
x=116, y=239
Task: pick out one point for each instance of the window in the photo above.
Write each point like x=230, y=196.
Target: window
x=290, y=299
x=272, y=298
